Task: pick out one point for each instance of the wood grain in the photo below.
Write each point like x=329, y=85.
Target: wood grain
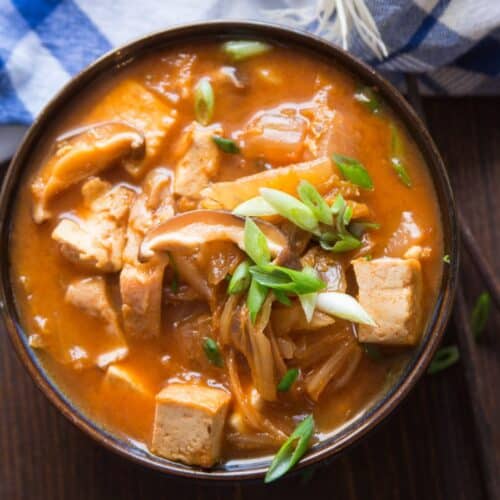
x=428, y=449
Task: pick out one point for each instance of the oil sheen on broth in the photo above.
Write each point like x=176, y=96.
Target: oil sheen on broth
x=130, y=312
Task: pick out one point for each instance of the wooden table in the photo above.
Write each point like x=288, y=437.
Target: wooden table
x=430, y=448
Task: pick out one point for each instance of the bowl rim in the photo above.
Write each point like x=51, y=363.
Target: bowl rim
x=225, y=29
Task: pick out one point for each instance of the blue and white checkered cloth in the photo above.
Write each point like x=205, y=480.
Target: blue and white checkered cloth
x=453, y=44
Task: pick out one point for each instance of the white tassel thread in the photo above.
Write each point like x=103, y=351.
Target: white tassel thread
x=335, y=19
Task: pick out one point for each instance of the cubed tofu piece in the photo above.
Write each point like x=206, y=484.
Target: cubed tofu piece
x=122, y=379
x=189, y=422
x=133, y=103
x=390, y=290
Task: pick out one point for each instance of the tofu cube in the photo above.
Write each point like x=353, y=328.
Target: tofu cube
x=390, y=290
x=123, y=380
x=189, y=422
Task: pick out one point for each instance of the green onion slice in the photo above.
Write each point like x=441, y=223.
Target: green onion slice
x=446, y=259
x=255, y=207
x=255, y=243
x=397, y=155
x=310, y=196
x=291, y=208
x=288, y=379
x=444, y=358
x=240, y=280
x=282, y=297
x=204, y=101
x=338, y=205
x=346, y=243
x=369, y=98
x=226, y=145
x=308, y=300
x=359, y=228
x=212, y=352
x=343, y=306
x=352, y=170
x=292, y=450
x=244, y=49
x=257, y=294
x=480, y=314
x=288, y=280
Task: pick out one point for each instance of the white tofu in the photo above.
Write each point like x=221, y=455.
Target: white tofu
x=189, y=422
x=124, y=380
x=390, y=290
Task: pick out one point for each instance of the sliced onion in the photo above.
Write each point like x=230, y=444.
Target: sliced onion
x=343, y=306
x=255, y=207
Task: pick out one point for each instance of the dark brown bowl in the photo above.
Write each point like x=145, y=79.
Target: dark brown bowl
x=336, y=441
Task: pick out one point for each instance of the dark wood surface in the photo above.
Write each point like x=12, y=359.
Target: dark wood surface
x=428, y=449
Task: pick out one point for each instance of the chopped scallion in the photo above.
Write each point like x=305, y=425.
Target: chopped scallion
x=255, y=207
x=288, y=280
x=291, y=208
x=204, y=101
x=255, y=243
x=257, y=294
x=446, y=259
x=288, y=379
x=343, y=306
x=397, y=155
x=480, y=314
x=212, y=352
x=239, y=50
x=240, y=280
x=352, y=170
x=444, y=358
x=292, y=450
x=226, y=145
x=310, y=196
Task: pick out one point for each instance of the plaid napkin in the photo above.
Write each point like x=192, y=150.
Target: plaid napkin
x=453, y=44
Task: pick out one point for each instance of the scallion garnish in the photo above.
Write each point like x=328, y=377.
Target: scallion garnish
x=244, y=49
x=285, y=279
x=255, y=243
x=288, y=379
x=212, y=352
x=343, y=306
x=255, y=207
x=292, y=450
x=291, y=208
x=257, y=294
x=446, y=259
x=397, y=154
x=240, y=280
x=204, y=101
x=308, y=300
x=226, y=145
x=368, y=98
x=444, y=358
x=282, y=297
x=352, y=170
x=310, y=196
x=346, y=243
x=359, y=228
x=480, y=314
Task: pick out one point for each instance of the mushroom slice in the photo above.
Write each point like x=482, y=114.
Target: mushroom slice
x=192, y=229
x=80, y=154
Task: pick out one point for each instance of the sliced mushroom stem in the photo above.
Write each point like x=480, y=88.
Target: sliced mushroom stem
x=193, y=229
